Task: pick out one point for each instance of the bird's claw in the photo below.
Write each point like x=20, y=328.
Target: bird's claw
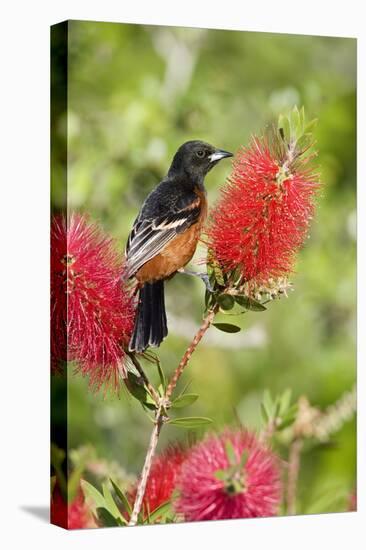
x=205, y=278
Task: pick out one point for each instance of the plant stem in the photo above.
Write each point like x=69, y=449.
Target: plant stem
x=159, y=416
x=189, y=351
x=147, y=466
x=293, y=475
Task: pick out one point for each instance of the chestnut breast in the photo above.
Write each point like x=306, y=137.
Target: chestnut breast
x=179, y=251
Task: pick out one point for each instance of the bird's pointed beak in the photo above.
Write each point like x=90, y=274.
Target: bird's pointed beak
x=219, y=154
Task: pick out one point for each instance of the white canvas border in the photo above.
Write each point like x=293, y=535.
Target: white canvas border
x=24, y=219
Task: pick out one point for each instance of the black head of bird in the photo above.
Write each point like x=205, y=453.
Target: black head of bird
x=195, y=159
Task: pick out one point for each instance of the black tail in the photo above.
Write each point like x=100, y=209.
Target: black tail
x=150, y=323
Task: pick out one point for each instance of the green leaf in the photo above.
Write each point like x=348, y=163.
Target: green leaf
x=92, y=494
x=284, y=124
x=186, y=387
x=106, y=518
x=149, y=403
x=285, y=401
x=190, y=421
x=184, y=400
x=243, y=459
x=281, y=122
x=249, y=303
x=235, y=276
x=131, y=368
x=214, y=271
x=264, y=414
x=138, y=390
x=309, y=127
x=254, y=305
x=219, y=276
x=161, y=375
x=210, y=262
x=277, y=405
x=110, y=504
x=295, y=130
x=136, y=387
x=122, y=497
x=285, y=423
x=302, y=119
x=210, y=298
x=160, y=512
x=268, y=404
x=148, y=406
x=226, y=302
x=293, y=409
x=289, y=417
x=221, y=475
x=295, y=123
x=226, y=327
x=243, y=301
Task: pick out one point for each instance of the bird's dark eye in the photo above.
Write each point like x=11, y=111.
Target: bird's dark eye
x=200, y=153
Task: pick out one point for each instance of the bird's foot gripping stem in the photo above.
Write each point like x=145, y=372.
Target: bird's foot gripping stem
x=203, y=276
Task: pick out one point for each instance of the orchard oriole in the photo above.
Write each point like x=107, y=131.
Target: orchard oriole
x=165, y=234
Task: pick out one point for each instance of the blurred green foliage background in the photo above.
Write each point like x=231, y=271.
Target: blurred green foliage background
x=135, y=93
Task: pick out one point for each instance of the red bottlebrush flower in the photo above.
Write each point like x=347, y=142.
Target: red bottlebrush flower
x=229, y=476
x=91, y=312
x=73, y=516
x=162, y=479
x=262, y=217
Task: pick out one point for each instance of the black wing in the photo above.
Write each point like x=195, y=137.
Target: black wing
x=149, y=235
